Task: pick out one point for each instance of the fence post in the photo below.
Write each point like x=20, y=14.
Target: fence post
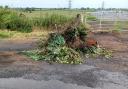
x=100, y=21
x=85, y=18
x=82, y=18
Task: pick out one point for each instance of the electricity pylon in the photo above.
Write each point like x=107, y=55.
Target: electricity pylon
x=70, y=4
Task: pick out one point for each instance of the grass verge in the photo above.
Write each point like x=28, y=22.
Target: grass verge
x=4, y=34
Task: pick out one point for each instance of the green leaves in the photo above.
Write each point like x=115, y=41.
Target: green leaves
x=63, y=55
x=99, y=52
x=56, y=40
x=56, y=51
x=11, y=20
x=33, y=55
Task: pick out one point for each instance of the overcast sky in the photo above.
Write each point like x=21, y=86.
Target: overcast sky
x=64, y=3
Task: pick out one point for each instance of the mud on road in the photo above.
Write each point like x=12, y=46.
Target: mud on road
x=19, y=72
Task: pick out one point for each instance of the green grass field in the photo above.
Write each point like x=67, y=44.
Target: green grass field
x=60, y=12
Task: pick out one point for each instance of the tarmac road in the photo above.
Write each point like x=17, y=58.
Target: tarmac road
x=22, y=75
x=20, y=72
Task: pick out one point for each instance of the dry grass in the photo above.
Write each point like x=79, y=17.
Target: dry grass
x=50, y=12
x=18, y=35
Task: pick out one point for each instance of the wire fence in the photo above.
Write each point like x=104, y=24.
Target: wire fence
x=109, y=20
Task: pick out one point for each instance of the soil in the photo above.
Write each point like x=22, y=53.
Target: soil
x=118, y=44
x=17, y=44
x=19, y=72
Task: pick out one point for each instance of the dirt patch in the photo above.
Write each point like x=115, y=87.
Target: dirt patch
x=8, y=58
x=119, y=45
x=111, y=42
x=14, y=65
x=17, y=44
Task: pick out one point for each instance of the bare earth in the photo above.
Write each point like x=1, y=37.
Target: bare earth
x=20, y=72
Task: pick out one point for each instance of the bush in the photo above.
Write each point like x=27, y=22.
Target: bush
x=12, y=21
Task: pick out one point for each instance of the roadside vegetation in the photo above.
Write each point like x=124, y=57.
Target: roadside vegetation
x=120, y=26
x=50, y=20
x=90, y=17
x=66, y=45
x=12, y=21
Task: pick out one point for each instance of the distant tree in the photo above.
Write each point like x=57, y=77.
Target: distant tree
x=82, y=8
x=1, y=6
x=6, y=7
x=29, y=9
x=87, y=8
x=32, y=9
